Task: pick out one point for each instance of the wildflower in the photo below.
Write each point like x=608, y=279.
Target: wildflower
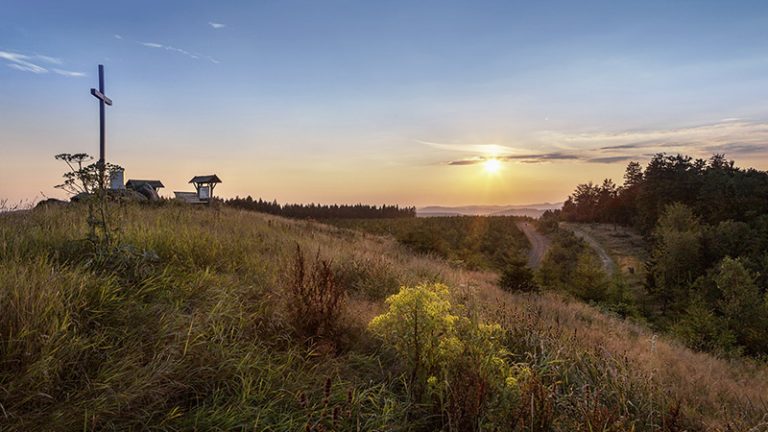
x=511, y=381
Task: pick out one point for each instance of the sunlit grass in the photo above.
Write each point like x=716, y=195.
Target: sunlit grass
x=195, y=335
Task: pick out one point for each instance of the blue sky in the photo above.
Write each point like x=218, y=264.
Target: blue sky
x=387, y=101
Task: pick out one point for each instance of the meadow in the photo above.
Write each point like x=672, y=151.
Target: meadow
x=222, y=319
x=470, y=242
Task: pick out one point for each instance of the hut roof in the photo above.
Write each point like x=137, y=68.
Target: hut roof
x=156, y=184
x=213, y=178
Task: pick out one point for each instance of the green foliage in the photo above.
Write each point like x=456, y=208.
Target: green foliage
x=548, y=222
x=89, y=183
x=702, y=329
x=517, y=276
x=559, y=263
x=458, y=364
x=743, y=306
x=697, y=213
x=589, y=282
x=677, y=256
x=472, y=242
x=420, y=326
x=620, y=300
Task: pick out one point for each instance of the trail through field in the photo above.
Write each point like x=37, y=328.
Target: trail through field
x=539, y=243
x=608, y=265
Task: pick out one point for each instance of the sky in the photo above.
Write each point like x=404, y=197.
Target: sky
x=380, y=101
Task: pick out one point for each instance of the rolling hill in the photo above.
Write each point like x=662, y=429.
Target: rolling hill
x=191, y=323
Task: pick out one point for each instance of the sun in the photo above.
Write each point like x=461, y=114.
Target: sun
x=492, y=166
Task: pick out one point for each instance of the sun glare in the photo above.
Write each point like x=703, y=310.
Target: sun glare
x=492, y=166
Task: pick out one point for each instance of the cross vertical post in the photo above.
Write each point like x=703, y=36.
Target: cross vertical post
x=103, y=99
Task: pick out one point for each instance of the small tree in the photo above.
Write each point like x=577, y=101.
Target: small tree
x=742, y=305
x=589, y=280
x=676, y=256
x=701, y=329
x=517, y=276
x=88, y=181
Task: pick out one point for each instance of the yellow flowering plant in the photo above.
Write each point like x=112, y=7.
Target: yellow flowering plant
x=459, y=363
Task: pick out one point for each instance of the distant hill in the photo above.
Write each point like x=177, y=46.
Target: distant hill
x=530, y=210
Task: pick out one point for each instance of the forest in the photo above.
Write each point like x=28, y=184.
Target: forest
x=320, y=211
x=706, y=222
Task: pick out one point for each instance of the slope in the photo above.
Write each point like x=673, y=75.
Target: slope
x=187, y=326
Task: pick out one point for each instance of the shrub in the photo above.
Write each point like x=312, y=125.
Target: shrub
x=456, y=363
x=589, y=280
x=315, y=301
x=518, y=277
x=369, y=278
x=701, y=329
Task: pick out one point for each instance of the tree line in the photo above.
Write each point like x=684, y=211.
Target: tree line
x=322, y=211
x=715, y=189
x=707, y=226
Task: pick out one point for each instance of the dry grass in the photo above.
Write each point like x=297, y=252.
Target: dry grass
x=720, y=394
x=190, y=334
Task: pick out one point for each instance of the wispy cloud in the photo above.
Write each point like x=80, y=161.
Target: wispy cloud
x=156, y=45
x=523, y=158
x=216, y=25
x=493, y=149
x=31, y=63
x=49, y=59
x=734, y=137
x=22, y=62
x=611, y=159
x=67, y=73
x=190, y=54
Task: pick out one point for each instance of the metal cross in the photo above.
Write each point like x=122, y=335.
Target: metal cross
x=103, y=99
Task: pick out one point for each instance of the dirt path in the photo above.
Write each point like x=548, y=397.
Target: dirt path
x=539, y=243
x=608, y=265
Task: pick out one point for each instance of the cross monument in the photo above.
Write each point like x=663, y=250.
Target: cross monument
x=103, y=99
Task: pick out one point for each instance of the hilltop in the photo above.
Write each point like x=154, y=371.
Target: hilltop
x=191, y=323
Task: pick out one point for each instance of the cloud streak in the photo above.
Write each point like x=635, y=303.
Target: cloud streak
x=67, y=73
x=216, y=25
x=493, y=149
x=191, y=54
x=733, y=137
x=31, y=63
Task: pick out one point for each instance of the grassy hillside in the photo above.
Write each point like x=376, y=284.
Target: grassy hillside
x=192, y=324
x=470, y=242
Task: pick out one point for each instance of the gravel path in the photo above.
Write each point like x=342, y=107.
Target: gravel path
x=539, y=243
x=608, y=265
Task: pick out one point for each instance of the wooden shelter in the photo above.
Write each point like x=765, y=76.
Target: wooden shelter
x=204, y=185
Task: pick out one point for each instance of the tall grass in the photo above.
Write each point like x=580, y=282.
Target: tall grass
x=187, y=329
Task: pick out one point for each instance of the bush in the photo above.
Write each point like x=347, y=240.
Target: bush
x=457, y=364
x=589, y=281
x=315, y=300
x=518, y=277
